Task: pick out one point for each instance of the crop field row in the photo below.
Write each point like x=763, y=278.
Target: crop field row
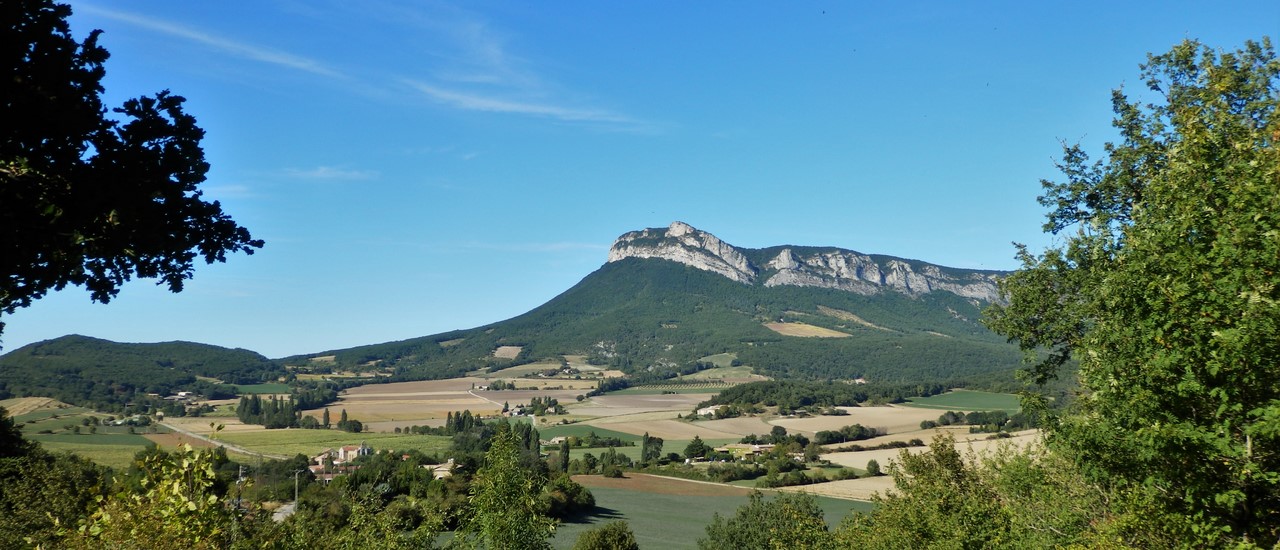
x=697, y=387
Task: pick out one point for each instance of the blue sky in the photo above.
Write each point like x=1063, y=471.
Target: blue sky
x=418, y=167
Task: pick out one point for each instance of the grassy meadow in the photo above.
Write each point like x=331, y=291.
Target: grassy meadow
x=967, y=400
x=667, y=513
x=268, y=388
x=290, y=442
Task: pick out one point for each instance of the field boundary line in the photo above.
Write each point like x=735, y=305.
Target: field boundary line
x=228, y=446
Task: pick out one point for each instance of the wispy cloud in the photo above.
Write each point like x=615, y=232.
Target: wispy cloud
x=477, y=68
x=477, y=102
x=469, y=66
x=330, y=173
x=241, y=49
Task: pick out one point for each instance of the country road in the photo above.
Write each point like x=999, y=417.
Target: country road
x=229, y=447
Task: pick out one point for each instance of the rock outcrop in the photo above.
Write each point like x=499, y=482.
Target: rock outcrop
x=826, y=268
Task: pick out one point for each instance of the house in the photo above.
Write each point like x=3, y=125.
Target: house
x=441, y=471
x=349, y=453
x=745, y=450
x=710, y=411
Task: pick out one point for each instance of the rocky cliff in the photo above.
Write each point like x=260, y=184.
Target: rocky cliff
x=796, y=266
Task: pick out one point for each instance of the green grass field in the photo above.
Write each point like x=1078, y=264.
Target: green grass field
x=965, y=400
x=722, y=360
x=311, y=442
x=50, y=413
x=720, y=373
x=673, y=521
x=581, y=430
x=272, y=387
x=114, y=456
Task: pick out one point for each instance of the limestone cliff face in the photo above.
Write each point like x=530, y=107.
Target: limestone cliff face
x=682, y=243
x=829, y=268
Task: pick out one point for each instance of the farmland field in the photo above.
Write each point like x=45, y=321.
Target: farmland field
x=310, y=442
x=669, y=513
x=581, y=430
x=23, y=406
x=269, y=388
x=507, y=352
x=733, y=374
x=116, y=456
x=708, y=388
x=804, y=330
x=966, y=400
x=520, y=370
x=892, y=418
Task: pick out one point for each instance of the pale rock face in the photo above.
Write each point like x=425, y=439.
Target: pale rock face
x=684, y=244
x=837, y=269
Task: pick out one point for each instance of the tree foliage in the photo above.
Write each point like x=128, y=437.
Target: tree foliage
x=1011, y=499
x=505, y=509
x=790, y=520
x=177, y=506
x=1165, y=291
x=87, y=199
x=615, y=535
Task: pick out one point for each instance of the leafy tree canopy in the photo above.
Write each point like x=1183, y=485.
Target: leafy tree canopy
x=87, y=199
x=1165, y=291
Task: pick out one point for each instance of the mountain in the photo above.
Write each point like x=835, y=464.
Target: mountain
x=104, y=374
x=667, y=297
x=803, y=266
x=664, y=299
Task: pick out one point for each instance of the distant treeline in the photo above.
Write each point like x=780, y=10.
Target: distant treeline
x=984, y=421
x=287, y=413
x=789, y=395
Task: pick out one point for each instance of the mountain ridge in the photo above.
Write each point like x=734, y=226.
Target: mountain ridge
x=664, y=300
x=823, y=267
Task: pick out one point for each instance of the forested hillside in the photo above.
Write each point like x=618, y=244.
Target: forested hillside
x=655, y=316
x=107, y=375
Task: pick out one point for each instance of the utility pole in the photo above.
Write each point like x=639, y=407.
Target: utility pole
x=295, y=488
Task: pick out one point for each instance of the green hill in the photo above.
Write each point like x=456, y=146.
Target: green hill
x=665, y=299
x=653, y=317
x=107, y=375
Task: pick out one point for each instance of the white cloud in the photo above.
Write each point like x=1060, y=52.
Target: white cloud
x=250, y=51
x=330, y=173
x=477, y=102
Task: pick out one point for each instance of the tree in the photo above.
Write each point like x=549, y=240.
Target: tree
x=504, y=500
x=939, y=501
x=696, y=448
x=11, y=441
x=1008, y=498
x=790, y=520
x=177, y=507
x=615, y=535
x=89, y=200
x=650, y=448
x=1165, y=291
x=563, y=457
